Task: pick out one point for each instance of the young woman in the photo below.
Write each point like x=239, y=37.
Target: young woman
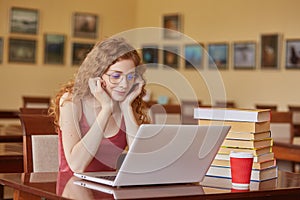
x=99, y=112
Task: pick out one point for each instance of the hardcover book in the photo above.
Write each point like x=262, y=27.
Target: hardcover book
x=254, y=151
x=256, y=165
x=256, y=175
x=233, y=114
x=259, y=158
x=225, y=182
x=238, y=126
x=248, y=143
x=248, y=136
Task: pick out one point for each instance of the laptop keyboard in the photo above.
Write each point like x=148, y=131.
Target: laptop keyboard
x=111, y=178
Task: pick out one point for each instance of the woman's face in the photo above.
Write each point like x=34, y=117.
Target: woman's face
x=119, y=79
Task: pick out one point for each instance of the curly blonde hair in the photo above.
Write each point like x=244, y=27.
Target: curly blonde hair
x=98, y=60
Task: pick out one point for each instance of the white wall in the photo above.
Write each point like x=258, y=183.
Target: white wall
x=230, y=21
x=55, y=16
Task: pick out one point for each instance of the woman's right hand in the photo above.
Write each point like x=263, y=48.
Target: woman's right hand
x=97, y=89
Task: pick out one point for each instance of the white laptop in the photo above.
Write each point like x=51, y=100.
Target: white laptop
x=157, y=191
x=165, y=154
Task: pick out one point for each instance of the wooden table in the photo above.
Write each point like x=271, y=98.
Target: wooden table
x=60, y=186
x=11, y=157
x=9, y=114
x=11, y=143
x=10, y=133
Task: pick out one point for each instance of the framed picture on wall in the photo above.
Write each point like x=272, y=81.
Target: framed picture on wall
x=171, y=56
x=54, y=49
x=150, y=55
x=22, y=50
x=193, y=56
x=244, y=55
x=269, y=50
x=292, y=54
x=218, y=55
x=85, y=25
x=23, y=20
x=1, y=50
x=172, y=26
x=80, y=50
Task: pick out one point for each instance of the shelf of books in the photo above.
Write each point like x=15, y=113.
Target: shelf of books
x=250, y=132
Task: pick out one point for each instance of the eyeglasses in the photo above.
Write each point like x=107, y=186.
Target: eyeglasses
x=117, y=77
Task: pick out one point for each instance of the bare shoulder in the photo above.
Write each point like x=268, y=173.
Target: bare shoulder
x=68, y=104
x=66, y=97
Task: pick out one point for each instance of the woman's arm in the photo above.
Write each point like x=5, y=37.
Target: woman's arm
x=130, y=123
x=79, y=151
x=128, y=113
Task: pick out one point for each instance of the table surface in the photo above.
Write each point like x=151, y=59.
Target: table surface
x=61, y=186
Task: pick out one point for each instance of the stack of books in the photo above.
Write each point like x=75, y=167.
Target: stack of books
x=250, y=132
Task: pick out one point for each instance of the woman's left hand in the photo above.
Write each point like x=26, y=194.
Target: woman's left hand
x=134, y=92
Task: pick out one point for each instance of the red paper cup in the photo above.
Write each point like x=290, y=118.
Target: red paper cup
x=241, y=168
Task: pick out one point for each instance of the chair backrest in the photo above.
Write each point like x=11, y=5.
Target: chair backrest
x=165, y=114
x=40, y=143
x=296, y=114
x=187, y=111
x=25, y=110
x=266, y=106
x=296, y=119
x=36, y=102
x=281, y=126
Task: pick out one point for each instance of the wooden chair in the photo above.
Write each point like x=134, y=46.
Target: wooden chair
x=40, y=143
x=25, y=110
x=266, y=106
x=281, y=126
x=187, y=111
x=36, y=102
x=225, y=104
x=296, y=118
x=165, y=114
x=150, y=103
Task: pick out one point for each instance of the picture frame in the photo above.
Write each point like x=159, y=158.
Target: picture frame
x=269, y=51
x=172, y=26
x=193, y=55
x=244, y=55
x=22, y=50
x=292, y=54
x=218, y=55
x=54, y=49
x=24, y=20
x=1, y=50
x=150, y=55
x=79, y=52
x=171, y=56
x=85, y=25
